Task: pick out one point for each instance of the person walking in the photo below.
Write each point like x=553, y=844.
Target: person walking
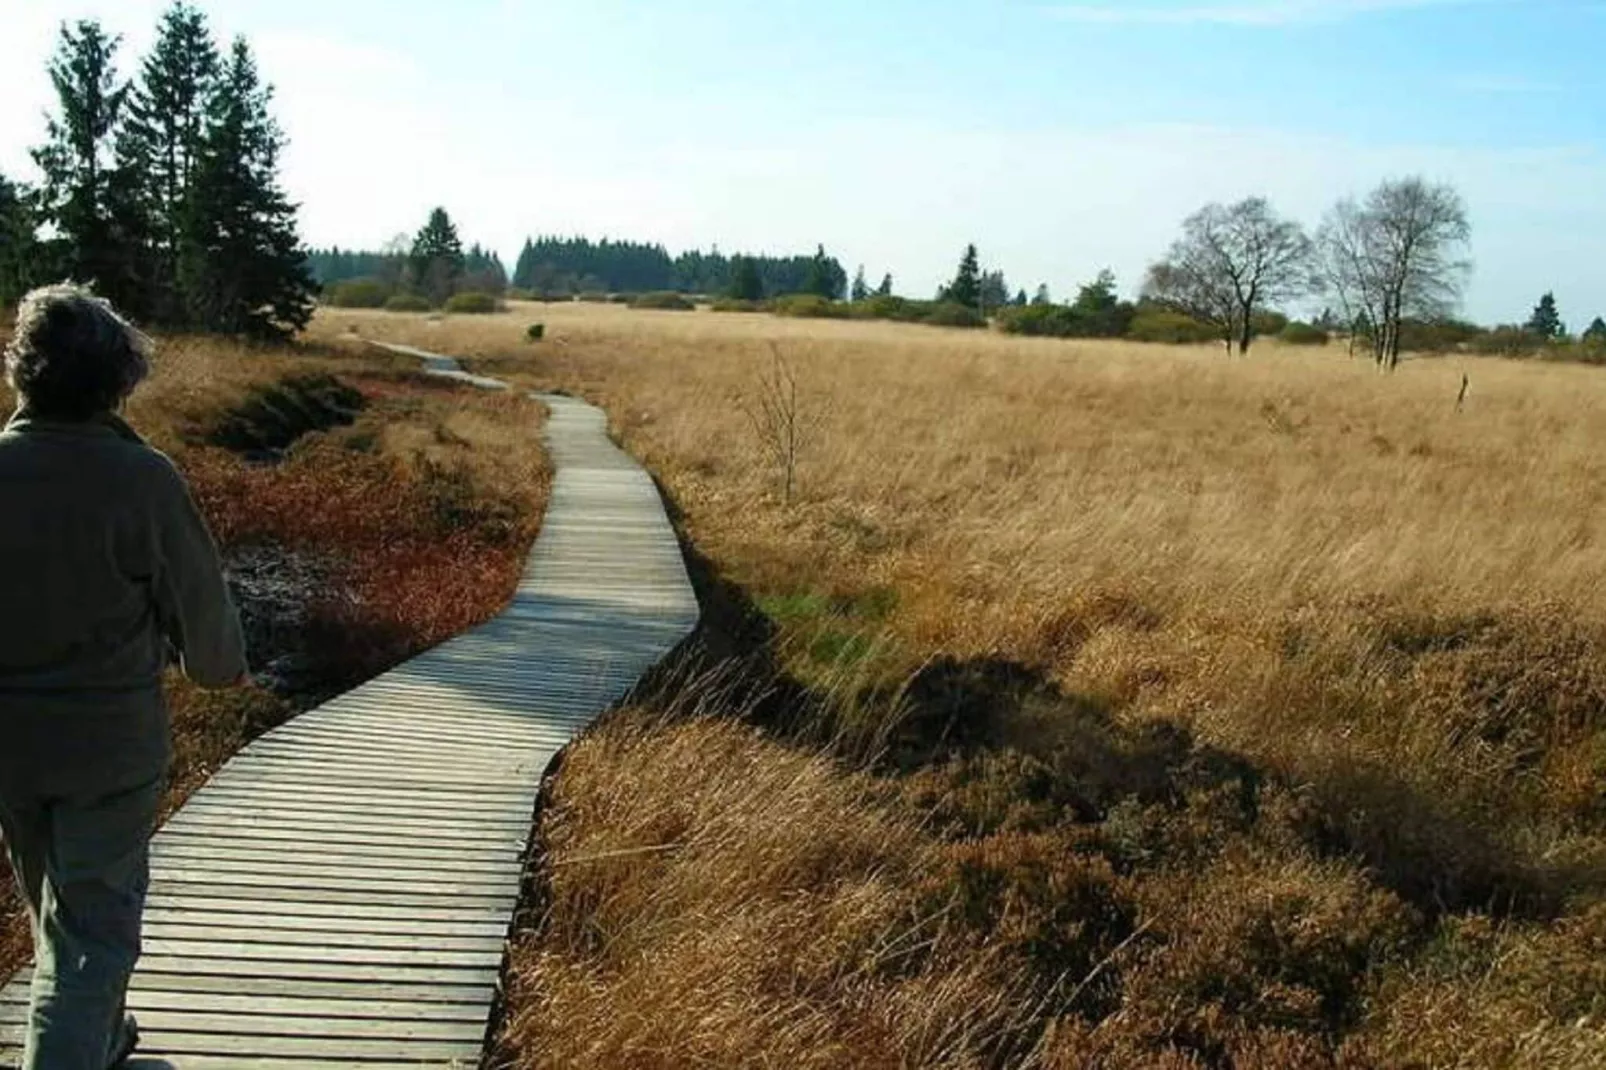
x=105, y=567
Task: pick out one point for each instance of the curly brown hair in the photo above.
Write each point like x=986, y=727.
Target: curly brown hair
x=72, y=357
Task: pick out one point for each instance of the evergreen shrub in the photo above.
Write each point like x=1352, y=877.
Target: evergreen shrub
x=472, y=303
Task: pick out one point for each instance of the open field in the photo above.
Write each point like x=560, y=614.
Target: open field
x=1252, y=712
x=352, y=543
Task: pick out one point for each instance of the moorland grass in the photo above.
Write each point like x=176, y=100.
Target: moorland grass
x=1223, y=712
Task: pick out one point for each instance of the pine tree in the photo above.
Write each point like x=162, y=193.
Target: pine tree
x=243, y=269
x=1546, y=321
x=966, y=287
x=1596, y=332
x=861, y=288
x=483, y=272
x=885, y=289
x=1042, y=297
x=436, y=261
x=993, y=292
x=824, y=276
x=524, y=266
x=85, y=197
x=746, y=284
x=160, y=143
x=20, y=267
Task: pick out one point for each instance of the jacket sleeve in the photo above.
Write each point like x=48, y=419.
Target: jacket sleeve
x=192, y=598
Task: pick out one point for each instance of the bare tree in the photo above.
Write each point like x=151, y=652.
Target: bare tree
x=1232, y=261
x=1398, y=255
x=783, y=418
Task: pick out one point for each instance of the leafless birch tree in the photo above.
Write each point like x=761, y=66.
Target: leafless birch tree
x=1398, y=255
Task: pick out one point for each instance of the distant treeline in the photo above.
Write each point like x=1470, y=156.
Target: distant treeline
x=558, y=266
x=567, y=267
x=482, y=269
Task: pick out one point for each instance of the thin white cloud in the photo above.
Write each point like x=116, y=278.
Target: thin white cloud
x=1240, y=13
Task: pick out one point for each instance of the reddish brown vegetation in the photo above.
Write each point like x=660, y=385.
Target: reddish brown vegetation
x=424, y=508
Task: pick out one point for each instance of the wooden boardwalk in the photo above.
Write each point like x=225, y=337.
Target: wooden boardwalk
x=339, y=894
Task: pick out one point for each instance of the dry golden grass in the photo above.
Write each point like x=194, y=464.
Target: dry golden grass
x=1385, y=614
x=422, y=510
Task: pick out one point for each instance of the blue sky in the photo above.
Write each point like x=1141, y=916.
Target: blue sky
x=1061, y=137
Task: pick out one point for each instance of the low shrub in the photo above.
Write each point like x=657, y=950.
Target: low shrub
x=1509, y=341
x=949, y=314
x=1054, y=321
x=472, y=303
x=1442, y=336
x=1588, y=350
x=622, y=299
x=357, y=293
x=518, y=293
x=596, y=297
x=406, y=303
x=905, y=310
x=1268, y=324
x=663, y=301
x=1169, y=327
x=1303, y=334
x=809, y=306
x=535, y=332
x=888, y=307
x=737, y=304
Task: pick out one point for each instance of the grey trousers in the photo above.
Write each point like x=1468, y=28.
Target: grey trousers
x=83, y=866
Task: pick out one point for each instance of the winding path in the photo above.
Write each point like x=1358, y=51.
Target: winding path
x=340, y=893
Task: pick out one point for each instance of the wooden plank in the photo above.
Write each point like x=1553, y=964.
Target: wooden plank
x=246, y=1018
x=159, y=1025
x=310, y=907
x=195, y=952
x=305, y=779
x=207, y=854
x=425, y=994
x=353, y=1049
x=275, y=838
x=209, y=844
x=303, y=1007
x=279, y=796
x=330, y=936
x=360, y=973
x=311, y=879
x=377, y=739
x=356, y=894
x=202, y=812
x=460, y=880
x=269, y=1062
x=437, y=750
x=331, y=927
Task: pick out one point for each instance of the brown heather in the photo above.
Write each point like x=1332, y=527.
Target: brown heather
x=426, y=506
x=1226, y=712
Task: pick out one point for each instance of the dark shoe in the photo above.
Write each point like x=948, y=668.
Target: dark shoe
x=127, y=1041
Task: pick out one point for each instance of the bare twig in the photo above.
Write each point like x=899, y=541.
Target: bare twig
x=785, y=422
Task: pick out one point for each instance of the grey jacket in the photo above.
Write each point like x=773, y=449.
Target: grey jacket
x=104, y=560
